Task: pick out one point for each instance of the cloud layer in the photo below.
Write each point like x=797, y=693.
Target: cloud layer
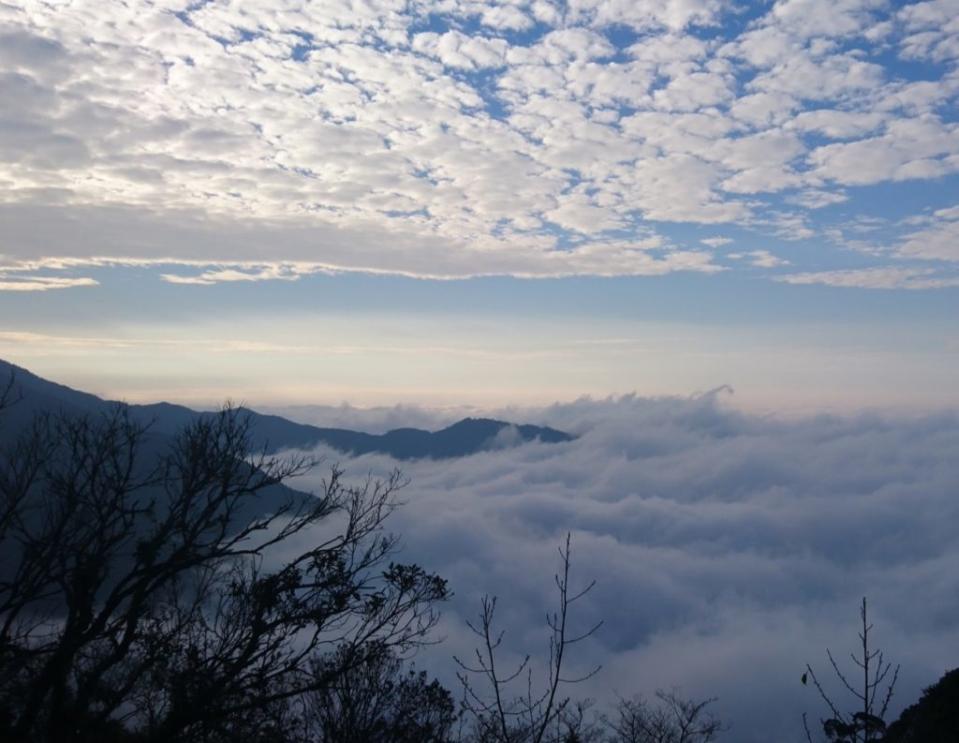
x=449, y=138
x=729, y=549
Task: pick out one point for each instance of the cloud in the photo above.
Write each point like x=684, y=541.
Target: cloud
x=457, y=50
x=160, y=243
x=52, y=344
x=729, y=549
x=932, y=30
x=482, y=143
x=815, y=199
x=21, y=283
x=909, y=149
x=823, y=18
x=760, y=258
x=645, y=14
x=939, y=241
x=875, y=278
x=838, y=124
x=279, y=272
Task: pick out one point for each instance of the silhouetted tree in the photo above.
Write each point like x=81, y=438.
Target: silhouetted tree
x=865, y=723
x=502, y=716
x=674, y=719
x=138, y=597
x=933, y=719
x=578, y=723
x=379, y=699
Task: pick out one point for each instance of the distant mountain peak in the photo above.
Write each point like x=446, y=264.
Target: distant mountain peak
x=274, y=433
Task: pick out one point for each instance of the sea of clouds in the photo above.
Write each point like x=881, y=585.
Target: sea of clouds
x=728, y=548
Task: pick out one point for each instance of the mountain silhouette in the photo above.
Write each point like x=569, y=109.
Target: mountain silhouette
x=272, y=433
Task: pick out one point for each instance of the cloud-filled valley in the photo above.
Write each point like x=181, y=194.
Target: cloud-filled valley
x=729, y=549
x=375, y=215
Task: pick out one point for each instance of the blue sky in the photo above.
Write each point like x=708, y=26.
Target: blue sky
x=493, y=205
x=483, y=202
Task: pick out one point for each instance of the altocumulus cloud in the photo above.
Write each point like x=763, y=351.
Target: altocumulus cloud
x=729, y=549
x=232, y=141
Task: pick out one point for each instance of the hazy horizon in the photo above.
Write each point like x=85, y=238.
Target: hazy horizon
x=719, y=240
x=483, y=203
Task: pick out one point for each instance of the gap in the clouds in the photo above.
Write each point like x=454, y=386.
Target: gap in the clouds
x=435, y=23
x=911, y=70
x=397, y=214
x=621, y=36
x=300, y=52
x=875, y=214
x=184, y=15
x=484, y=84
x=902, y=199
x=573, y=179
x=244, y=35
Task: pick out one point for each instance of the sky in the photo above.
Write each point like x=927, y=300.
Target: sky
x=456, y=202
x=717, y=240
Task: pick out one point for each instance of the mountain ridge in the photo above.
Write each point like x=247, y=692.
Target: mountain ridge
x=272, y=433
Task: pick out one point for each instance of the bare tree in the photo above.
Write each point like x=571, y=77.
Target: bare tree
x=7, y=392
x=866, y=722
x=378, y=699
x=531, y=717
x=144, y=588
x=674, y=719
x=579, y=723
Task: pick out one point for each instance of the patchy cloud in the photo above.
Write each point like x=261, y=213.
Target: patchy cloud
x=26, y=283
x=729, y=549
x=760, y=258
x=716, y=242
x=939, y=241
x=528, y=139
x=875, y=278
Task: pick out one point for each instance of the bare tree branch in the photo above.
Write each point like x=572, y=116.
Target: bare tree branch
x=142, y=587
x=865, y=724
x=508, y=719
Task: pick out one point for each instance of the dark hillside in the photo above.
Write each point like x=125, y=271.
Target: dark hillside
x=272, y=433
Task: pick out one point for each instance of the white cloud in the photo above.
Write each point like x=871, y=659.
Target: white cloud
x=457, y=50
x=760, y=258
x=838, y=124
x=909, y=148
x=729, y=549
x=22, y=283
x=809, y=18
x=789, y=225
x=284, y=272
x=645, y=255
x=505, y=17
x=761, y=162
x=50, y=343
x=674, y=15
x=816, y=199
x=883, y=277
x=804, y=76
x=764, y=109
x=932, y=30
x=939, y=241
x=487, y=140
x=950, y=213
